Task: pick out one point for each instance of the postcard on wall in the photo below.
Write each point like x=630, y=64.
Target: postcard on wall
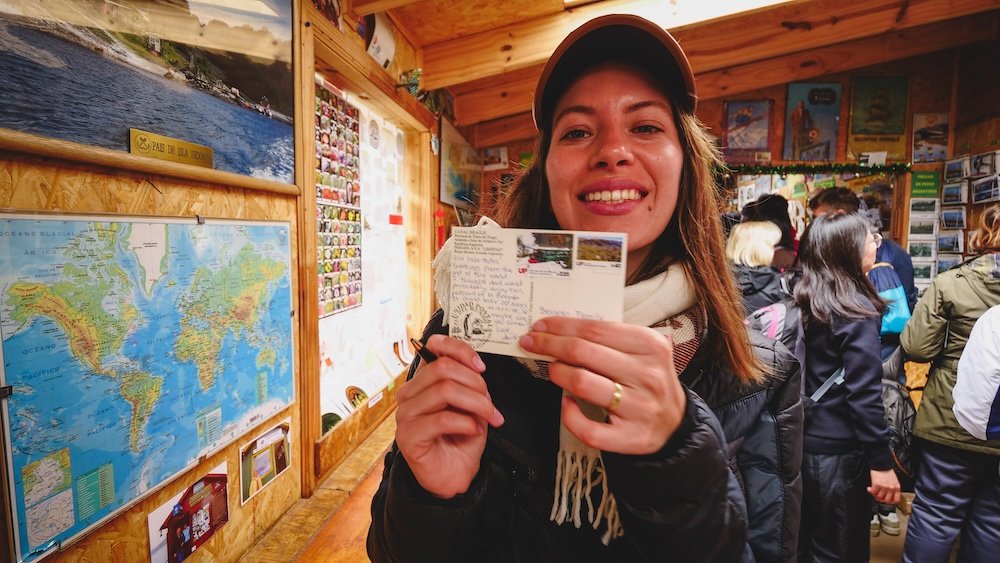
x=986, y=189
x=946, y=262
x=747, y=129
x=185, y=522
x=951, y=241
x=923, y=207
x=930, y=137
x=812, y=120
x=922, y=249
x=957, y=168
x=503, y=280
x=983, y=164
x=955, y=193
x=263, y=459
x=878, y=116
x=923, y=228
x=953, y=218
x=924, y=271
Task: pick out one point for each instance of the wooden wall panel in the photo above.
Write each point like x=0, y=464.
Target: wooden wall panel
x=30, y=184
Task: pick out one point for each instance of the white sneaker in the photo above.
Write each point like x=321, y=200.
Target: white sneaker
x=889, y=523
x=876, y=526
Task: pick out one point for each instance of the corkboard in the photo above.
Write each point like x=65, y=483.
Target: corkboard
x=30, y=184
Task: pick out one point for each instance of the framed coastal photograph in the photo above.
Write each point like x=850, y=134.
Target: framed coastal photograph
x=461, y=169
x=953, y=218
x=215, y=75
x=950, y=241
x=930, y=137
x=924, y=271
x=957, y=168
x=922, y=249
x=923, y=228
x=924, y=206
x=955, y=193
x=746, y=129
x=812, y=120
x=946, y=262
x=986, y=189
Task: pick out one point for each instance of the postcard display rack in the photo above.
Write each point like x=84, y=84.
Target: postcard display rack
x=338, y=201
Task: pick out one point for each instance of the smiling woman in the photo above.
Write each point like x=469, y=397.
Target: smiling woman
x=495, y=456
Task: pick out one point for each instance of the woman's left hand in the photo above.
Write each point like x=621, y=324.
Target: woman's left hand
x=591, y=358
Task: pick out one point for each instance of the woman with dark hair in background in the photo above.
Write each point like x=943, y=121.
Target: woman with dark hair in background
x=846, y=453
x=958, y=486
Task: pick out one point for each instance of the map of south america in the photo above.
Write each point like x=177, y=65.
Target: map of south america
x=133, y=347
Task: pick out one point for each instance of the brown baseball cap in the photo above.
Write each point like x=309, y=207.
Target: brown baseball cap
x=614, y=37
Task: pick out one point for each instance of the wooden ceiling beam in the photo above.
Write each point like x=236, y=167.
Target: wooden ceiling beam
x=847, y=56
x=717, y=44
x=366, y=7
x=514, y=96
x=502, y=131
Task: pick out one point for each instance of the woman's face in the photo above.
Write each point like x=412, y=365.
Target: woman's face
x=615, y=158
x=868, y=257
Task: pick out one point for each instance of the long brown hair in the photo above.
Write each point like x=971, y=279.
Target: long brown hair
x=693, y=237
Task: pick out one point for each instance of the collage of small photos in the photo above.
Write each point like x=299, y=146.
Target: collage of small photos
x=338, y=201
x=939, y=230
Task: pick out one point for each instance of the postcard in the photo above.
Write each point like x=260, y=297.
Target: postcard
x=951, y=241
x=953, y=218
x=957, y=168
x=923, y=206
x=924, y=271
x=955, y=193
x=503, y=280
x=984, y=164
x=946, y=262
x=985, y=189
x=922, y=249
x=923, y=228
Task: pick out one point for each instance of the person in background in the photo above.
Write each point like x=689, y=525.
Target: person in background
x=774, y=208
x=886, y=279
x=750, y=250
x=846, y=459
x=977, y=387
x=602, y=454
x=843, y=199
x=957, y=489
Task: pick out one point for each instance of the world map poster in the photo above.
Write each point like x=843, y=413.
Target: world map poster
x=131, y=348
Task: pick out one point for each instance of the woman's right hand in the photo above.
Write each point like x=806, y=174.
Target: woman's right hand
x=442, y=415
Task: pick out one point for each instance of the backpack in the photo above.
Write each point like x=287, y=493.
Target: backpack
x=777, y=321
x=900, y=415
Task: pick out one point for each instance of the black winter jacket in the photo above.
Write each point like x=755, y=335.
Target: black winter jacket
x=762, y=423
x=679, y=504
x=849, y=417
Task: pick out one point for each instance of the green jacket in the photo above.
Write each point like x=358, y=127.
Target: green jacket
x=937, y=332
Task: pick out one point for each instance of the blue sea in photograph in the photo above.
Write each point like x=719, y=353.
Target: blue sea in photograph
x=56, y=88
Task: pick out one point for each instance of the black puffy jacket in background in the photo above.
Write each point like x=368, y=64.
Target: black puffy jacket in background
x=679, y=504
x=763, y=427
x=760, y=286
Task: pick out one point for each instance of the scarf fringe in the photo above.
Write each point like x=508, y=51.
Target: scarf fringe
x=577, y=474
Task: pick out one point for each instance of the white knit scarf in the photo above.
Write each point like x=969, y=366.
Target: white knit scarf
x=666, y=303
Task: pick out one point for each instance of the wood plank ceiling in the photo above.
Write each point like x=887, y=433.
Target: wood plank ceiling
x=489, y=53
